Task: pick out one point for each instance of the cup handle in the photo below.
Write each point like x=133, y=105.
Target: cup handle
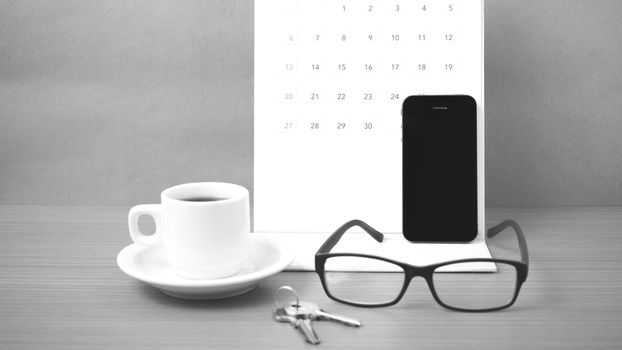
x=152, y=210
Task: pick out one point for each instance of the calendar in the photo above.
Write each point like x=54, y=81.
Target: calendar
x=330, y=79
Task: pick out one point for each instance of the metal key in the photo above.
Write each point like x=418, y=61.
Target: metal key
x=308, y=310
x=302, y=324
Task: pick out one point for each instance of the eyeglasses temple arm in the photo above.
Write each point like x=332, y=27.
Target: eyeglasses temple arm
x=336, y=236
x=522, y=242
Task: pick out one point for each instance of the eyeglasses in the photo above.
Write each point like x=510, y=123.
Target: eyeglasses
x=460, y=291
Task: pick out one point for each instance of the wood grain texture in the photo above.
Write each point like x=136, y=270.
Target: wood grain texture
x=60, y=288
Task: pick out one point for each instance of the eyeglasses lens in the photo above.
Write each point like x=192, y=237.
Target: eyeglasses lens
x=346, y=280
x=475, y=290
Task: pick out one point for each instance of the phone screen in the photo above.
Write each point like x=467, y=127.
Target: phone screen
x=439, y=168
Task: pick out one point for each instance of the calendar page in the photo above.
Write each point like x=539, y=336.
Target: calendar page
x=330, y=78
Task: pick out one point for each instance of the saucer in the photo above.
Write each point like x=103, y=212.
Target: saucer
x=148, y=264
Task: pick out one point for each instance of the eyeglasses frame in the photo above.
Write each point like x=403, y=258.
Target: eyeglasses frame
x=427, y=271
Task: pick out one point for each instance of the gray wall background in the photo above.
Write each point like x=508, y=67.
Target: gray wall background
x=108, y=102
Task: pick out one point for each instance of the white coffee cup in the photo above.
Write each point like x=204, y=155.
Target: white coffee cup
x=204, y=228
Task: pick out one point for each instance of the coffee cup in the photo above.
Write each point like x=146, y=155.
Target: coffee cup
x=203, y=227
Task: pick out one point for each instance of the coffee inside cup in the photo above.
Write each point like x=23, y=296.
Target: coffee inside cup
x=202, y=199
x=204, y=192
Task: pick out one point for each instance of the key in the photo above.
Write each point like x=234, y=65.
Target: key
x=302, y=324
x=305, y=309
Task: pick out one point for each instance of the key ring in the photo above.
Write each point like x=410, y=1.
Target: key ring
x=289, y=289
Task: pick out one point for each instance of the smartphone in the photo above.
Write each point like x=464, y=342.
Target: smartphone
x=439, y=168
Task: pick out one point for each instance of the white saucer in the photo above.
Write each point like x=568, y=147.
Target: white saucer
x=148, y=264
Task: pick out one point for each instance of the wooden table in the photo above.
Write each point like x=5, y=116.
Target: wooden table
x=60, y=288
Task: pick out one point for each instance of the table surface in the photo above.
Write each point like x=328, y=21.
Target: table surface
x=60, y=287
